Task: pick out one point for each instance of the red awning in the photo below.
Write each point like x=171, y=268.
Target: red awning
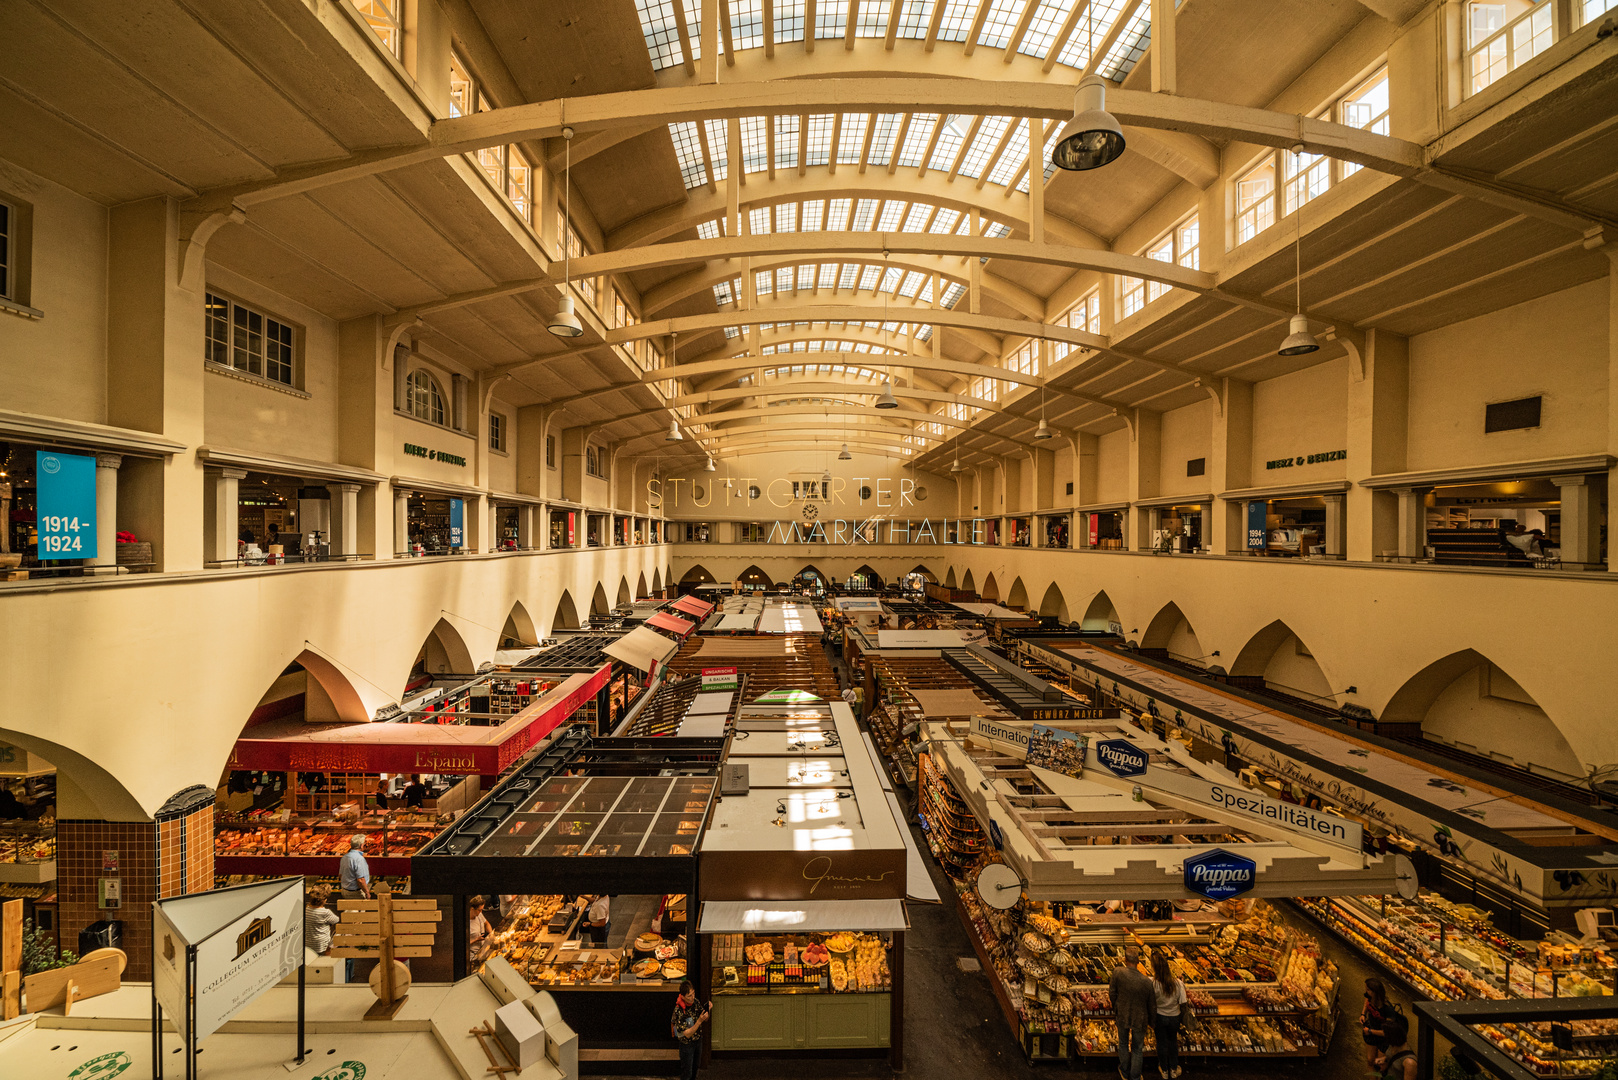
x=399, y=747
x=697, y=609
x=664, y=621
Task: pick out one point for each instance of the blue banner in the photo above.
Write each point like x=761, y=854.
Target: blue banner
x=457, y=523
x=1219, y=874
x=66, y=504
x=1257, y=529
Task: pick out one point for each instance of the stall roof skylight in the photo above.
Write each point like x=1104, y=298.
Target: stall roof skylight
x=1044, y=25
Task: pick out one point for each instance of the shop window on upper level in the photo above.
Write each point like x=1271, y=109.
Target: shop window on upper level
x=426, y=400
x=461, y=87
x=497, y=432
x=247, y=340
x=386, y=19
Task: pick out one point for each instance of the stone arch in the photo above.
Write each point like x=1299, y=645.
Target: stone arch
x=755, y=576
x=624, y=595
x=1467, y=701
x=640, y=587
x=444, y=652
x=1053, y=605
x=657, y=580
x=84, y=790
x=310, y=688
x=1101, y=614
x=1171, y=634
x=949, y=578
x=697, y=575
x=1278, y=655
x=875, y=579
x=567, y=616
x=966, y=581
x=924, y=572
x=1018, y=596
x=519, y=629
x=598, y=601
x=991, y=588
x=810, y=570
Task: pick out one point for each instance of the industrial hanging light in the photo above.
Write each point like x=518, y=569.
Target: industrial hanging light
x=844, y=455
x=565, y=324
x=1299, y=341
x=887, y=400
x=708, y=467
x=957, y=467
x=674, y=432
x=1043, y=431
x=1095, y=138
x=825, y=480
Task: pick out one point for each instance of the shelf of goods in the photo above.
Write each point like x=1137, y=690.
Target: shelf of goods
x=952, y=831
x=27, y=852
x=800, y=991
x=1257, y=988
x=540, y=940
x=1450, y=952
x=270, y=842
x=399, y=886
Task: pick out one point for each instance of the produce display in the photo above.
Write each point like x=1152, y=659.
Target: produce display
x=842, y=962
x=27, y=842
x=952, y=831
x=268, y=833
x=1450, y=952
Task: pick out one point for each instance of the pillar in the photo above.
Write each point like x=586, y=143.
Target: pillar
x=401, y=522
x=1230, y=465
x=1334, y=537
x=458, y=395
x=345, y=523
x=1378, y=411
x=106, y=514
x=525, y=526
x=1581, y=524
x=1144, y=473
x=1412, y=522
x=222, y=505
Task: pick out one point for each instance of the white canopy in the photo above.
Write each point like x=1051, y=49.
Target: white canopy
x=641, y=648
x=800, y=916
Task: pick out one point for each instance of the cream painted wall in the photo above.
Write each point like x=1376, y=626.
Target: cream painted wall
x=1296, y=672
x=249, y=416
x=1489, y=725
x=1112, y=467
x=1300, y=414
x=1185, y=434
x=407, y=429
x=882, y=475
x=57, y=366
x=502, y=465
x=1063, y=474
x=1555, y=346
x=1185, y=646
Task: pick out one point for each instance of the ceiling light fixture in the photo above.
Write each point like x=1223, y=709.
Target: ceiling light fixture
x=708, y=467
x=565, y=323
x=674, y=432
x=1299, y=341
x=1094, y=137
x=887, y=400
x=1043, y=431
x=844, y=455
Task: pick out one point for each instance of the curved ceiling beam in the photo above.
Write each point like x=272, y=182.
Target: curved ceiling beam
x=710, y=274
x=452, y=136
x=715, y=419
x=848, y=183
x=691, y=324
x=867, y=308
x=811, y=389
x=877, y=448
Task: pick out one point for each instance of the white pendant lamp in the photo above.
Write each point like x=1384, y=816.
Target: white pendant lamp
x=565, y=323
x=1043, y=431
x=674, y=432
x=1299, y=341
x=887, y=400
x=844, y=455
x=825, y=480
x=708, y=467
x=957, y=467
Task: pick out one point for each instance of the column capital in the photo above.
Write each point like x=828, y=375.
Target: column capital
x=109, y=461
x=229, y=474
x=346, y=488
x=1411, y=490
x=1570, y=481
x=401, y=493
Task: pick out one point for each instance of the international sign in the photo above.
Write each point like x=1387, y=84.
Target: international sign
x=1121, y=757
x=1220, y=874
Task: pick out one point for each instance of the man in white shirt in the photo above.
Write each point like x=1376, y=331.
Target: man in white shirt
x=597, y=919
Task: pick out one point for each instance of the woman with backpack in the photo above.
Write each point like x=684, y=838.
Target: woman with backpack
x=1374, y=1019
x=1170, y=1013
x=1399, y=1063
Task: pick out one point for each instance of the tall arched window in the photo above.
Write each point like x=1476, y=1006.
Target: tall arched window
x=426, y=401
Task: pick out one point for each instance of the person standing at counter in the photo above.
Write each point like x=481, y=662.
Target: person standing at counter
x=686, y=1027
x=598, y=918
x=415, y=792
x=1135, y=1003
x=381, y=793
x=354, y=873
x=477, y=931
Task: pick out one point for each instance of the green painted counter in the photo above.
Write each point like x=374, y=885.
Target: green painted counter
x=801, y=1021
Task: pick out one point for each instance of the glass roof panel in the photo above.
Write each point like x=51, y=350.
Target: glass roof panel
x=852, y=141
x=688, y=149
x=719, y=147
x=786, y=142
x=914, y=17
x=1000, y=22
x=988, y=138
x=1042, y=31
x=788, y=21
x=1126, y=52
x=829, y=17
x=882, y=139
x=873, y=19
x=662, y=32
x=956, y=21
x=818, y=150
x=746, y=24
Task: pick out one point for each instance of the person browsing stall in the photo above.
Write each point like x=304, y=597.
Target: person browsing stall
x=354, y=873
x=1135, y=1002
x=318, y=920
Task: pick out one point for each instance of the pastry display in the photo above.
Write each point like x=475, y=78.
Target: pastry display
x=841, y=962
x=816, y=955
x=645, y=969
x=762, y=953
x=674, y=969
x=648, y=942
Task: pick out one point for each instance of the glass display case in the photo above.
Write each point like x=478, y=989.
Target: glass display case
x=395, y=834
x=27, y=842
x=539, y=938
x=844, y=962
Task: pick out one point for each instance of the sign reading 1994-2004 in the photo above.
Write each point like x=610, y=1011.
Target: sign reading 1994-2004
x=66, y=505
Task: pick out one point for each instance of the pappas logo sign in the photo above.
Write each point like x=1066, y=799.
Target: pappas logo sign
x=1219, y=874
x=1121, y=756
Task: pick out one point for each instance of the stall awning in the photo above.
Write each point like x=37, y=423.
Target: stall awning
x=692, y=606
x=642, y=649
x=800, y=916
x=919, y=639
x=673, y=624
x=403, y=747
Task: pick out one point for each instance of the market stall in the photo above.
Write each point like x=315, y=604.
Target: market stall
x=586, y=817
x=802, y=920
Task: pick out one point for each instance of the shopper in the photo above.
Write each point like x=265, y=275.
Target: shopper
x=1171, y=1002
x=686, y=1027
x=1373, y=1020
x=354, y=873
x=1135, y=1003
x=1399, y=1063
x=318, y=920
x=598, y=918
x=477, y=932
